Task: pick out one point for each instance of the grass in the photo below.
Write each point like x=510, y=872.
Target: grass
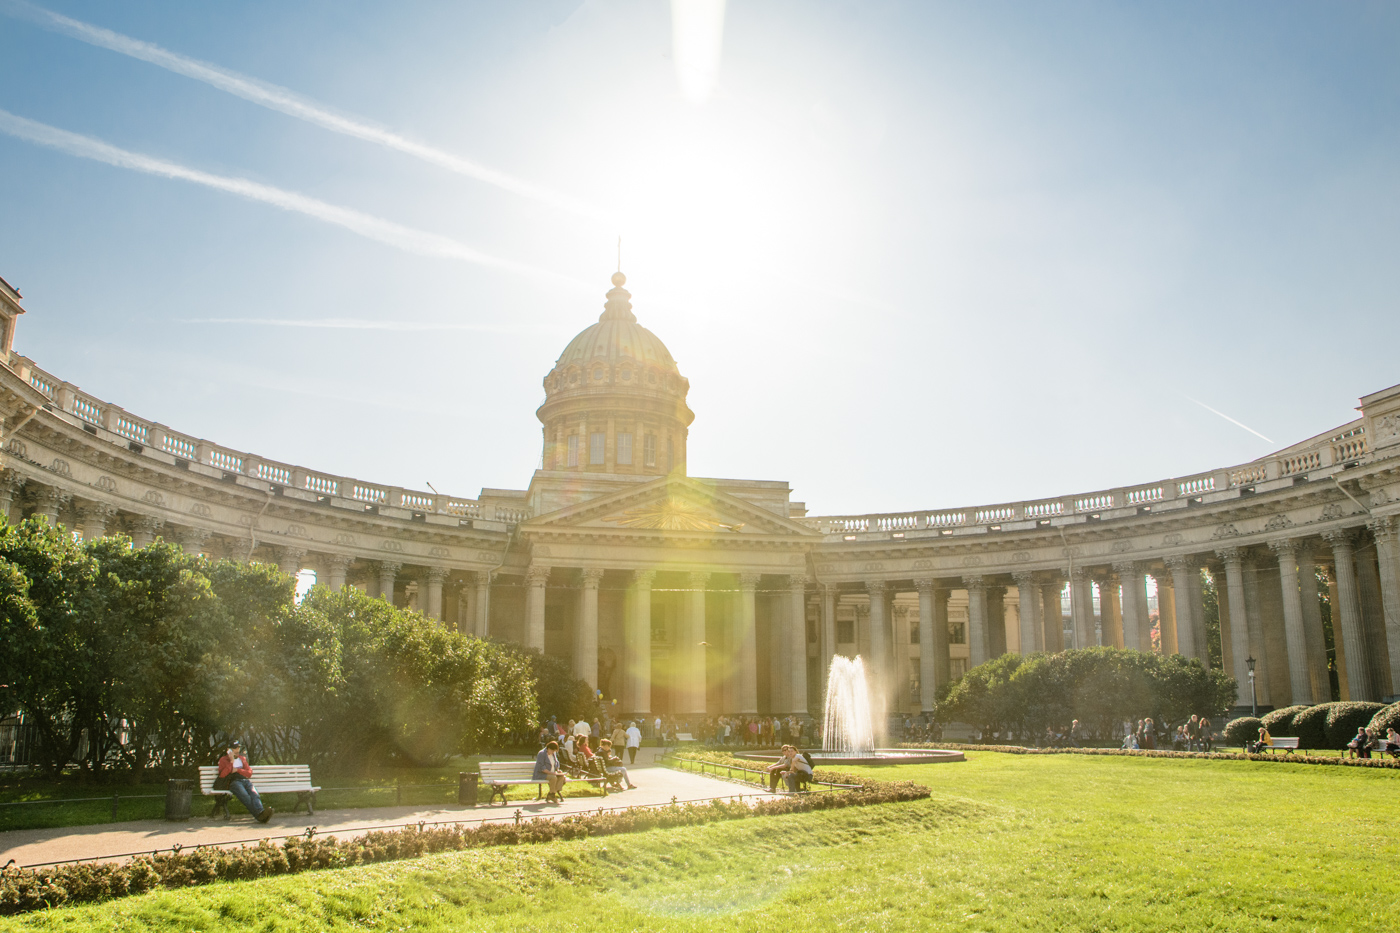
x=54, y=803
x=1006, y=842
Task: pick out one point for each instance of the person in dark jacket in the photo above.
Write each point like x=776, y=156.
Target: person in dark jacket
x=237, y=773
x=549, y=769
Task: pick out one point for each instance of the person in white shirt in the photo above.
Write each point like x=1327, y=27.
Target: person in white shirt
x=634, y=742
x=582, y=728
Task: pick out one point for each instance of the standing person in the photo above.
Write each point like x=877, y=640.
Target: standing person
x=619, y=735
x=582, y=728
x=1074, y=736
x=1206, y=734
x=634, y=742
x=548, y=768
x=1149, y=734
x=236, y=774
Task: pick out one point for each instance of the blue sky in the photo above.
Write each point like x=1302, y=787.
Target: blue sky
x=909, y=255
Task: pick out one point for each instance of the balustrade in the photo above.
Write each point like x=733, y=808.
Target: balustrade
x=1094, y=502
x=1301, y=463
x=1194, y=487
x=1142, y=496
x=1250, y=473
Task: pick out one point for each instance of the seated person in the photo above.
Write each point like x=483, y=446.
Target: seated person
x=780, y=767
x=1392, y=739
x=1264, y=741
x=1360, y=745
x=799, y=774
x=548, y=769
x=1130, y=741
x=612, y=765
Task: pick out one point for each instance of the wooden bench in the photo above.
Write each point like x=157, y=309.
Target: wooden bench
x=1383, y=748
x=498, y=775
x=1288, y=743
x=268, y=779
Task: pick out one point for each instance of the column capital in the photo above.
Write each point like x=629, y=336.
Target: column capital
x=336, y=562
x=435, y=574
x=1178, y=562
x=1284, y=547
x=1164, y=578
x=698, y=579
x=1340, y=537
x=483, y=577
x=389, y=566
x=1383, y=528
x=149, y=524
x=875, y=588
x=11, y=481
x=797, y=581
x=100, y=510
x=1023, y=578
x=1127, y=567
x=973, y=581
x=537, y=575
x=1078, y=575
x=46, y=496
x=590, y=577
x=747, y=581
x=191, y=539
x=924, y=584
x=643, y=578
x=1230, y=555
x=284, y=553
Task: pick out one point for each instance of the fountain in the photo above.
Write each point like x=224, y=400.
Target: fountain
x=848, y=725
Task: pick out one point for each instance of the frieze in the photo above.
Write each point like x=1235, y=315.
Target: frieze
x=346, y=539
x=1278, y=523
x=1172, y=540
x=1332, y=511
x=826, y=568
x=200, y=509
x=61, y=467
x=923, y=565
x=153, y=497
x=1121, y=547
x=972, y=560
x=17, y=447
x=1021, y=557
x=1226, y=530
x=874, y=566
x=391, y=546
x=297, y=531
x=439, y=551
x=106, y=484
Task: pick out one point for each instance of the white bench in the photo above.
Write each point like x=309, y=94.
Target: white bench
x=498, y=775
x=1288, y=743
x=683, y=737
x=268, y=779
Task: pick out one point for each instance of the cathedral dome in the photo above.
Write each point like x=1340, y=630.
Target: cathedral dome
x=615, y=381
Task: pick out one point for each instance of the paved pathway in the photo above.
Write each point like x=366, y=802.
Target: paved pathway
x=116, y=841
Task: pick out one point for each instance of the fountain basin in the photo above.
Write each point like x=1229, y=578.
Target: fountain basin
x=880, y=756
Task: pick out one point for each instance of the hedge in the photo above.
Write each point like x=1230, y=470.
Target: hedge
x=1310, y=726
x=1387, y=718
x=1280, y=721
x=25, y=889
x=1345, y=719
x=1241, y=731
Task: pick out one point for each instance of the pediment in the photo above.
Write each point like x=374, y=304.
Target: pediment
x=675, y=505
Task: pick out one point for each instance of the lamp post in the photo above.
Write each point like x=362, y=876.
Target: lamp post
x=1253, y=692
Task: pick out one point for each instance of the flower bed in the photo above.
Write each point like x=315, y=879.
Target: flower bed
x=1390, y=764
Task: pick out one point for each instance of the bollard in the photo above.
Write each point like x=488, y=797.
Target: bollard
x=177, y=799
x=466, y=787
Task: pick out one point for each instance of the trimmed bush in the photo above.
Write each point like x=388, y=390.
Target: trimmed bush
x=1310, y=726
x=1387, y=718
x=1241, y=731
x=1343, y=719
x=1280, y=721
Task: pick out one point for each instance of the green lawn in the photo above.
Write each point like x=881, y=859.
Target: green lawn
x=1006, y=842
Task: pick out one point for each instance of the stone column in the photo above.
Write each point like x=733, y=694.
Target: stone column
x=144, y=529
x=1347, y=626
x=586, y=634
x=639, y=642
x=1255, y=599
x=481, y=602
x=1134, y=606
x=1181, y=589
x=978, y=647
x=879, y=667
x=536, y=581
x=1053, y=616
x=940, y=635
x=692, y=660
x=746, y=640
x=1239, y=621
x=1222, y=602
x=928, y=668
x=1030, y=618
x=388, y=573
x=829, y=597
x=1368, y=585
x=1082, y=608
x=1166, y=612
x=797, y=598
x=996, y=621
x=47, y=501
x=95, y=516
x=1301, y=688
x=1388, y=558
x=1334, y=600
x=191, y=540
x=289, y=560
x=11, y=484
x=434, y=576
x=1197, y=602
x=1110, y=618
x=336, y=566
x=1312, y=624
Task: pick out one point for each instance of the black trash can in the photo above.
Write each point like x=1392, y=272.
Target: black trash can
x=466, y=787
x=177, y=799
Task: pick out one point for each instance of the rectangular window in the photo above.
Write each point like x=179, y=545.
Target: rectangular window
x=670, y=456
x=845, y=631
x=573, y=450
x=649, y=450
x=596, y=443
x=914, y=633
x=624, y=448
x=957, y=634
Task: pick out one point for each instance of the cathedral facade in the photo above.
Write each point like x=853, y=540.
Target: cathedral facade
x=685, y=596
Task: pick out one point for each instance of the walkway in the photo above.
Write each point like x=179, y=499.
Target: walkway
x=115, y=841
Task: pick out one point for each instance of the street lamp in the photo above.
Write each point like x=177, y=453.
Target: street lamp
x=1253, y=692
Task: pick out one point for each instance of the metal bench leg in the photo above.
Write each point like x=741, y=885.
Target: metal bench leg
x=497, y=789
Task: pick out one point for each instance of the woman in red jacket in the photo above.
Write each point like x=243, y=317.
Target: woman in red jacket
x=237, y=775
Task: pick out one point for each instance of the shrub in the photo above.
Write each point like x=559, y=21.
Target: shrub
x=1387, y=718
x=1241, y=731
x=1343, y=719
x=1280, y=721
x=1310, y=726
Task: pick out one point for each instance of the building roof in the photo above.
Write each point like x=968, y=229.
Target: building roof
x=617, y=337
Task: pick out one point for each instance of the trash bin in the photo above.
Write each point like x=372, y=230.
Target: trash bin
x=177, y=799
x=466, y=787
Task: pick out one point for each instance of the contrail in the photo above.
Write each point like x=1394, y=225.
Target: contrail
x=285, y=101
x=334, y=323
x=1226, y=417
x=374, y=228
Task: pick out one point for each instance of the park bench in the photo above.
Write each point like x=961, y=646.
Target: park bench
x=683, y=737
x=498, y=775
x=1288, y=743
x=268, y=779
x=1384, y=748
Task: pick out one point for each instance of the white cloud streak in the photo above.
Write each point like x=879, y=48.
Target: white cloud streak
x=373, y=228
x=1238, y=424
x=284, y=101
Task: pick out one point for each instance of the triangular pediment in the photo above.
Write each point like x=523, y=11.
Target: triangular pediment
x=674, y=504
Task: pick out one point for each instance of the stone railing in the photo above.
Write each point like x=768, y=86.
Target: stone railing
x=1330, y=453
x=94, y=414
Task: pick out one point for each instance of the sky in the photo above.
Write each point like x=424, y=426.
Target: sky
x=910, y=255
